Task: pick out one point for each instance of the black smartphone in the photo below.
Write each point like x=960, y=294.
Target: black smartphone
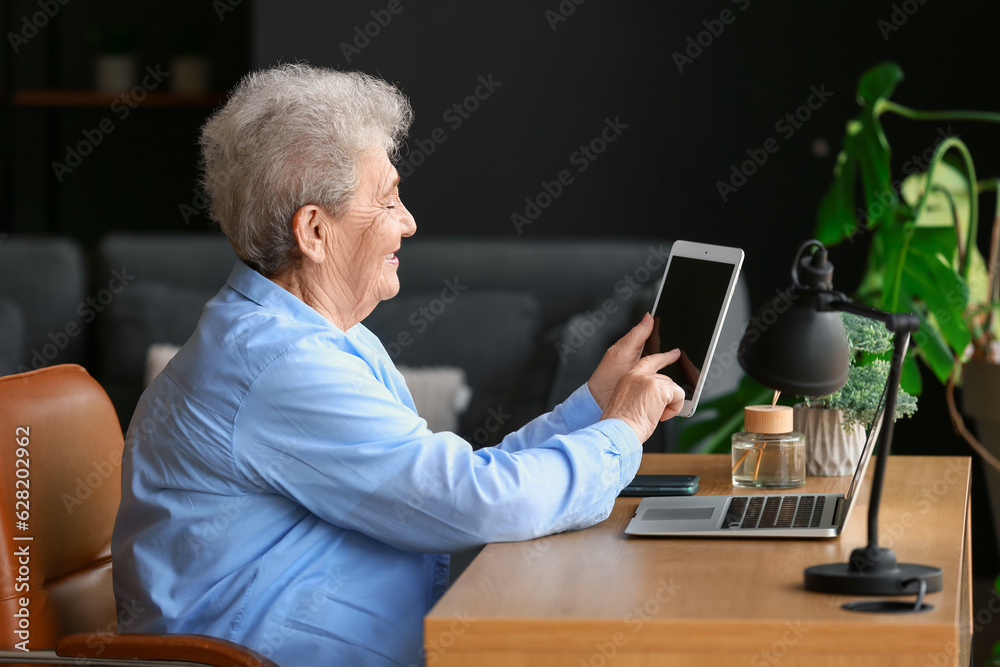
x=661, y=485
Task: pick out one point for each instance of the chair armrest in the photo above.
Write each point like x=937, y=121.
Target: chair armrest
x=137, y=646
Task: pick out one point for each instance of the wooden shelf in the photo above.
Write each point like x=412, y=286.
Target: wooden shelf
x=84, y=98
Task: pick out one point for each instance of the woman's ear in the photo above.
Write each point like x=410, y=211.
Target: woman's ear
x=310, y=227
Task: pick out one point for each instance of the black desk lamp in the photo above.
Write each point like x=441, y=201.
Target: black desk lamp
x=797, y=344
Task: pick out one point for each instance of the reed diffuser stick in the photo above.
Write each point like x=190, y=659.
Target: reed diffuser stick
x=760, y=455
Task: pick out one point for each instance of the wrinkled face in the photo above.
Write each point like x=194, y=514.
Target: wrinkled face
x=369, y=233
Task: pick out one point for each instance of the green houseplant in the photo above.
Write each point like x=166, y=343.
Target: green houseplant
x=922, y=254
x=923, y=257
x=922, y=250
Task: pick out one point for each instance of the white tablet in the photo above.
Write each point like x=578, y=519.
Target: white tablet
x=690, y=309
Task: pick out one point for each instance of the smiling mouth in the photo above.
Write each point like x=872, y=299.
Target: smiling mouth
x=391, y=257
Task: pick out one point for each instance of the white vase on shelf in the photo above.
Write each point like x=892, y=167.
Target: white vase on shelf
x=831, y=451
x=115, y=72
x=190, y=75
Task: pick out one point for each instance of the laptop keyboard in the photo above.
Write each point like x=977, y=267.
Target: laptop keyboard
x=783, y=511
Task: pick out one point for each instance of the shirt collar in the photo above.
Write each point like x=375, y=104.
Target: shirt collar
x=269, y=294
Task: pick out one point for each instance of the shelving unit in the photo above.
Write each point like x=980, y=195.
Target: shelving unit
x=87, y=98
x=52, y=103
x=133, y=156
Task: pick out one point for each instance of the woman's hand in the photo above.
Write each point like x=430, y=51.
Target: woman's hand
x=643, y=396
x=619, y=358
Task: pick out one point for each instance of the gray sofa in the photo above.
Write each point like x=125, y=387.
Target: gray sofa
x=527, y=320
x=43, y=307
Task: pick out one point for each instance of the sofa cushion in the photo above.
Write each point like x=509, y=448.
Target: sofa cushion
x=488, y=334
x=173, y=275
x=439, y=393
x=144, y=314
x=569, y=353
x=194, y=261
x=12, y=326
x=45, y=277
x=566, y=276
x=157, y=358
x=580, y=343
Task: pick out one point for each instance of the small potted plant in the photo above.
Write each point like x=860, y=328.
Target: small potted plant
x=835, y=425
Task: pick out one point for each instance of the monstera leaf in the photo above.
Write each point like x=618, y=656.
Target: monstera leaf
x=948, y=186
x=944, y=221
x=865, y=151
x=922, y=253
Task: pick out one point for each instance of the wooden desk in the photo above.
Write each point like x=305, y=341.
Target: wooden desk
x=595, y=597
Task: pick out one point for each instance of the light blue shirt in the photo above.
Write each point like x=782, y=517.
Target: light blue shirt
x=279, y=489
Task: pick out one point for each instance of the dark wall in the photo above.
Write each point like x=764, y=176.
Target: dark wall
x=683, y=123
x=561, y=79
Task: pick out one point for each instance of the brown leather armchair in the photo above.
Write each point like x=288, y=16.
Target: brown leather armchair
x=60, y=482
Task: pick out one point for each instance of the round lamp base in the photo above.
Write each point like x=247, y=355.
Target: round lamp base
x=904, y=579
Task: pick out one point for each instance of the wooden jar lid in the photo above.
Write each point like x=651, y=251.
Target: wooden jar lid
x=765, y=419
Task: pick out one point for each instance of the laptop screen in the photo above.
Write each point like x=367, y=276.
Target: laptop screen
x=874, y=428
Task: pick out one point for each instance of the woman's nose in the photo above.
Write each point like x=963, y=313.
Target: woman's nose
x=409, y=224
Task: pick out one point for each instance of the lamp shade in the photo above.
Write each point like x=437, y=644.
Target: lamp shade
x=792, y=346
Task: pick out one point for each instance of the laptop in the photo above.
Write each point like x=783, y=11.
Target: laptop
x=786, y=514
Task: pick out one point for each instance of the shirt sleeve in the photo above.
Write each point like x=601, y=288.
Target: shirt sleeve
x=578, y=411
x=328, y=435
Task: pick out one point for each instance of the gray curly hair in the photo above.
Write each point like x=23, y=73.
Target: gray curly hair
x=291, y=136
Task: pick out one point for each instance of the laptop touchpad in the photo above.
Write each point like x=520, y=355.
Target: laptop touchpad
x=678, y=513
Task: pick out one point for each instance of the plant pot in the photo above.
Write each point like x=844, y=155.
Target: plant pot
x=831, y=451
x=981, y=402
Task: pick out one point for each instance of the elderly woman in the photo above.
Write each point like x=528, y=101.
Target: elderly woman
x=289, y=497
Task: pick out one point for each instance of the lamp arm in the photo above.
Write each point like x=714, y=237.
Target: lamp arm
x=902, y=324
x=895, y=322
x=899, y=344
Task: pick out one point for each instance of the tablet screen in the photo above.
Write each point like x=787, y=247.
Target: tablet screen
x=691, y=299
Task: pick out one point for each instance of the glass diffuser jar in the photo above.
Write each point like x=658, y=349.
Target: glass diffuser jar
x=768, y=454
